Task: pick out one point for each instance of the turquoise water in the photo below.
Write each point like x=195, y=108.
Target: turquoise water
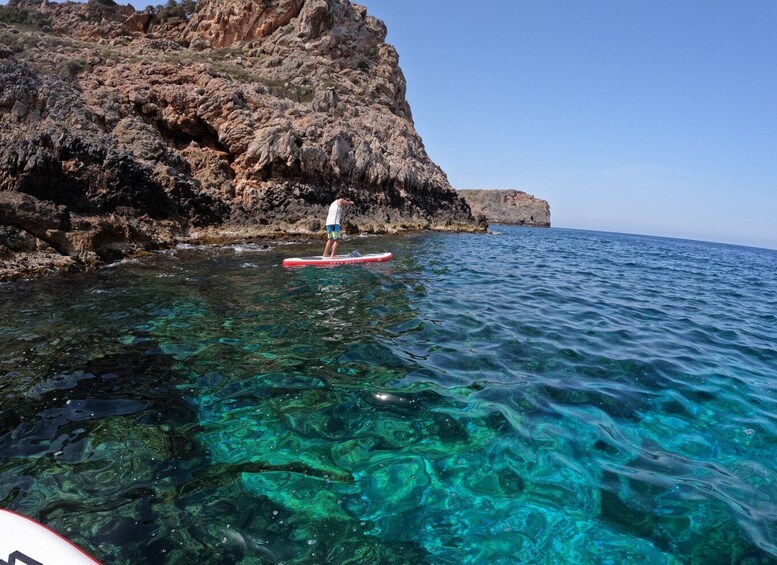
x=522, y=396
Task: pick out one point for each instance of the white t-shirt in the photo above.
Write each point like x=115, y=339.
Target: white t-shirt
x=335, y=214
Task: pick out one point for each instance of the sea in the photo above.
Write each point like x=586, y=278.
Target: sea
x=521, y=396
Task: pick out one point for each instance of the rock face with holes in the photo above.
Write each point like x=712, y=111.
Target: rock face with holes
x=511, y=207
x=241, y=120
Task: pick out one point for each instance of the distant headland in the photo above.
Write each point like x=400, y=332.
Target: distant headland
x=512, y=207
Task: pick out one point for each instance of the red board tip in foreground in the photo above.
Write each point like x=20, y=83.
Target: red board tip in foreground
x=319, y=261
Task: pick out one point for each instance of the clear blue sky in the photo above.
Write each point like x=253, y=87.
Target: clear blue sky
x=641, y=116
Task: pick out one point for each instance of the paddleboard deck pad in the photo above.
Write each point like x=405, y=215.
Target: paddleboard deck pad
x=24, y=541
x=319, y=261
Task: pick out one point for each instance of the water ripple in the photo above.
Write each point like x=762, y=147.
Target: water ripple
x=522, y=396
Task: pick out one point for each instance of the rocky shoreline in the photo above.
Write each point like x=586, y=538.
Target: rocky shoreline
x=124, y=131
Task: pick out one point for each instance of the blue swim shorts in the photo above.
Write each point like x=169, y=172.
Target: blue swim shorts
x=333, y=231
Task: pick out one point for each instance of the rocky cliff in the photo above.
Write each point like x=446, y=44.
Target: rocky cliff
x=124, y=130
x=508, y=207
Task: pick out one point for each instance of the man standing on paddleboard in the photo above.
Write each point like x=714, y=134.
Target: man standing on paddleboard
x=333, y=221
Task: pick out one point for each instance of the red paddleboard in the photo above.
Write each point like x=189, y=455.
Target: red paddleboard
x=319, y=261
x=25, y=542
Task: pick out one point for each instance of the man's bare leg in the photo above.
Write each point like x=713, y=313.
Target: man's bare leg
x=334, y=248
x=327, y=246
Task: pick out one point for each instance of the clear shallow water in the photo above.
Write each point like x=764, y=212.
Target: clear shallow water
x=523, y=396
